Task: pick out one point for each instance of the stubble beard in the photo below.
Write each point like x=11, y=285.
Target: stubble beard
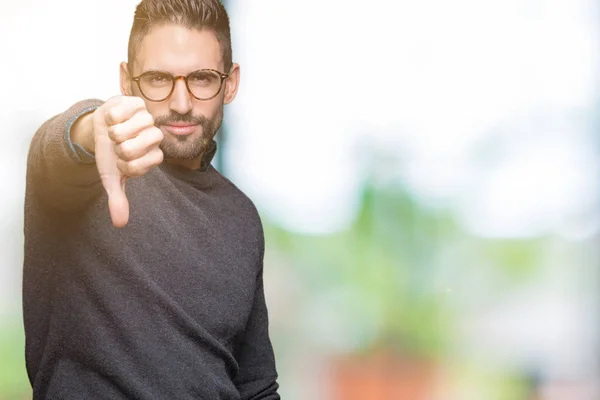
x=192, y=146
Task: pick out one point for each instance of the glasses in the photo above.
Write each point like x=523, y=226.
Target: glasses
x=204, y=84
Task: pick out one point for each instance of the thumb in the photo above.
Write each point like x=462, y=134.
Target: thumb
x=112, y=180
x=117, y=200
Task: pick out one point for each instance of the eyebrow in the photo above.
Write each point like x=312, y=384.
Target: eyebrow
x=159, y=71
x=155, y=70
x=168, y=72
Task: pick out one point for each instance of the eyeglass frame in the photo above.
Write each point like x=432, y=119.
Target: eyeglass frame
x=222, y=75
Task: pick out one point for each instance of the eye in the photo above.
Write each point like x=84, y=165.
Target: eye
x=156, y=78
x=199, y=76
x=203, y=78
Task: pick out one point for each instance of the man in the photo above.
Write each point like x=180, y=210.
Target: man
x=143, y=265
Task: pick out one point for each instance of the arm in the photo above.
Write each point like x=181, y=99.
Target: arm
x=257, y=376
x=60, y=172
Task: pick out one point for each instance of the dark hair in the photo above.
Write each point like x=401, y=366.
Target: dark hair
x=193, y=14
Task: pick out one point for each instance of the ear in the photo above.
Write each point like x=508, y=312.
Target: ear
x=231, y=84
x=126, y=82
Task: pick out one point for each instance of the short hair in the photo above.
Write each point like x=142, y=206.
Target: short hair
x=192, y=14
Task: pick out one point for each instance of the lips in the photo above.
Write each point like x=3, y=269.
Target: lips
x=180, y=130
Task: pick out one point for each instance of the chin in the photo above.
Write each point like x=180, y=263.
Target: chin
x=187, y=147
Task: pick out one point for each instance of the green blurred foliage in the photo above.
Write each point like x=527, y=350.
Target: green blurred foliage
x=14, y=383
x=388, y=270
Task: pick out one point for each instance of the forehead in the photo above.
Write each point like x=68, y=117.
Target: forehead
x=179, y=50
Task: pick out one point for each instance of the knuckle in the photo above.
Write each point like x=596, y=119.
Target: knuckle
x=135, y=168
x=151, y=137
x=127, y=151
x=109, y=116
x=111, y=103
x=140, y=166
x=116, y=134
x=159, y=156
x=157, y=135
x=146, y=119
x=112, y=133
x=138, y=102
x=118, y=149
x=122, y=166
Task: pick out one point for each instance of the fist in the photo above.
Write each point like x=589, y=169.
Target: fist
x=136, y=139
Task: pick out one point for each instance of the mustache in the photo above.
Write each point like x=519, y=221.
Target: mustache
x=188, y=118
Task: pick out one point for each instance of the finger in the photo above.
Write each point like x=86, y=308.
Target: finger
x=112, y=180
x=131, y=128
x=118, y=204
x=142, y=165
x=140, y=145
x=123, y=110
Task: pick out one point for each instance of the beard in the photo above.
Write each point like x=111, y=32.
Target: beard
x=191, y=146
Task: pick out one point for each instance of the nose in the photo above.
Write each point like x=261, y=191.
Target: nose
x=181, y=99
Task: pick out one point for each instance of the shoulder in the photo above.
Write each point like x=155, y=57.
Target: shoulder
x=239, y=204
x=234, y=197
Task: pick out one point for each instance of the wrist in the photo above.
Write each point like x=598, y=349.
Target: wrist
x=82, y=132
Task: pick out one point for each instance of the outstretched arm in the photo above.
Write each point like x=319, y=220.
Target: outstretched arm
x=58, y=171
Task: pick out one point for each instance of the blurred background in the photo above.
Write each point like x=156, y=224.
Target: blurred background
x=427, y=174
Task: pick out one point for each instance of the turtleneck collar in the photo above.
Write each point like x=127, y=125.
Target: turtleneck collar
x=208, y=156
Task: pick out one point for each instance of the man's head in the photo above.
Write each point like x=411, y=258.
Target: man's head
x=176, y=38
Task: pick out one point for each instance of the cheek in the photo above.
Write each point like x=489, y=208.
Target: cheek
x=208, y=109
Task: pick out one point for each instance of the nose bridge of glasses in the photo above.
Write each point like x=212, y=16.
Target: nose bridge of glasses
x=184, y=82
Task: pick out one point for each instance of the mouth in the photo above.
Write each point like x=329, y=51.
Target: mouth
x=180, y=129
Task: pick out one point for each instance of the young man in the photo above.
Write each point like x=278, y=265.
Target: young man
x=143, y=265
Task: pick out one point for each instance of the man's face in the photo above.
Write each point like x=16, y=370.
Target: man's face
x=188, y=124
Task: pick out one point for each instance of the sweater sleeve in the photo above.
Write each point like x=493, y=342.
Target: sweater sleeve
x=60, y=175
x=257, y=375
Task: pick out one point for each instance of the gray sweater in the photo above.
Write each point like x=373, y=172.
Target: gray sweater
x=170, y=307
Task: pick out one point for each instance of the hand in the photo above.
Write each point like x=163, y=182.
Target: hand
x=126, y=144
